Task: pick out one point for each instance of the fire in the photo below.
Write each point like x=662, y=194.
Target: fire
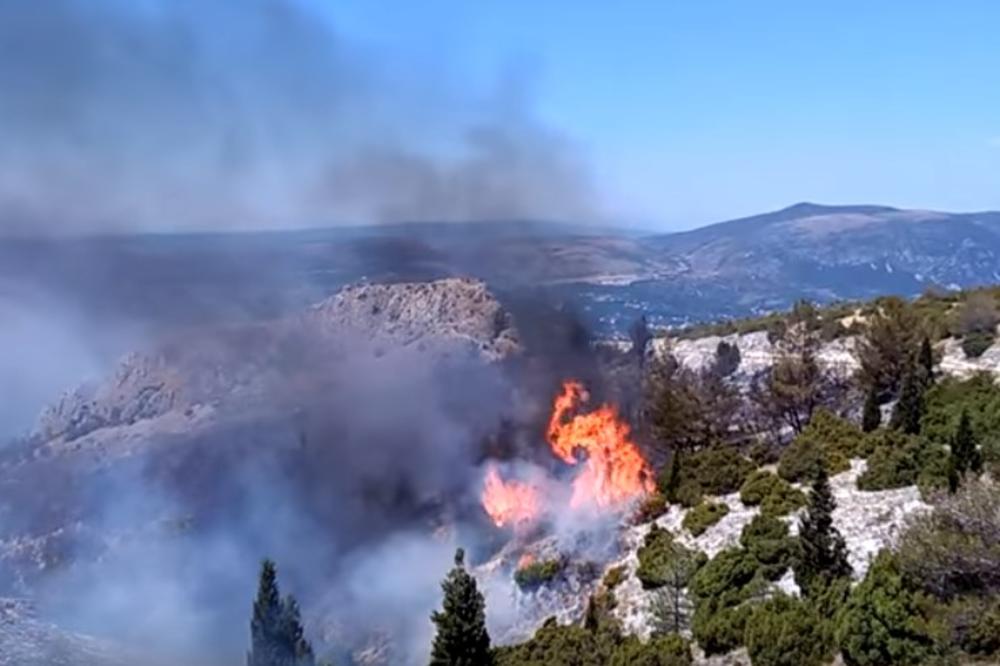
x=614, y=470
x=509, y=502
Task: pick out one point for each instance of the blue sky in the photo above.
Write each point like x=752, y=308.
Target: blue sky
x=693, y=112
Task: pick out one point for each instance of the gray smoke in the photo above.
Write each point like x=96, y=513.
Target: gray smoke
x=118, y=115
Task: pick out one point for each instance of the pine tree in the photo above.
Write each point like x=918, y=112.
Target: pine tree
x=822, y=552
x=884, y=622
x=871, y=417
x=462, y=639
x=673, y=478
x=925, y=359
x=910, y=408
x=965, y=454
x=276, y=634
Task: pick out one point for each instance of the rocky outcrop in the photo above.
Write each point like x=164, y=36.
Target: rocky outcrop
x=758, y=354
x=188, y=374
x=27, y=641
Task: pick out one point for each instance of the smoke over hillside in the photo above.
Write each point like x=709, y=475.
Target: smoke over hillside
x=160, y=115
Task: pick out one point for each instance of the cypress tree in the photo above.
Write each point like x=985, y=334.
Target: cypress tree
x=276, y=634
x=925, y=359
x=462, y=639
x=910, y=408
x=871, y=416
x=965, y=454
x=822, y=553
x=673, y=478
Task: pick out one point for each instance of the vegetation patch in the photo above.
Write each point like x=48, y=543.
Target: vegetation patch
x=703, y=516
x=901, y=460
x=768, y=541
x=717, y=470
x=788, y=631
x=614, y=577
x=663, y=561
x=885, y=621
x=774, y=495
x=536, y=574
x=800, y=460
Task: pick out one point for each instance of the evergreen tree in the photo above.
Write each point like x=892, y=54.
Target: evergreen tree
x=883, y=622
x=965, y=454
x=462, y=639
x=910, y=408
x=673, y=478
x=276, y=634
x=871, y=417
x=925, y=359
x=822, y=553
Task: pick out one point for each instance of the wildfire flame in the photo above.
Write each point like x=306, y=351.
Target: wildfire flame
x=509, y=502
x=614, y=470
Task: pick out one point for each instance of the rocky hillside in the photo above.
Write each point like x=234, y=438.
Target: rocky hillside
x=204, y=370
x=28, y=641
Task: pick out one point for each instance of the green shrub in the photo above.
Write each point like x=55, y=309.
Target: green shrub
x=703, y=516
x=767, y=539
x=786, y=631
x=614, y=577
x=758, y=486
x=662, y=560
x=948, y=398
x=719, y=629
x=975, y=344
x=725, y=577
x=776, y=496
x=665, y=650
x=955, y=549
x=717, y=470
x=800, y=458
x=651, y=508
x=973, y=625
x=538, y=573
x=983, y=637
x=764, y=453
x=784, y=500
x=901, y=460
x=836, y=435
x=561, y=645
x=884, y=622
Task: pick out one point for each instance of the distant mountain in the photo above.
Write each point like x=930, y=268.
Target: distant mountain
x=730, y=269
x=862, y=244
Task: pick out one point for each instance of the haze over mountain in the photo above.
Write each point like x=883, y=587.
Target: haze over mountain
x=728, y=269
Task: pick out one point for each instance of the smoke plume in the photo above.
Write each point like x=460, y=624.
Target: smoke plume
x=181, y=115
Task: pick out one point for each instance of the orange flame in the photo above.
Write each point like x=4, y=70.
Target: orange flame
x=509, y=502
x=615, y=471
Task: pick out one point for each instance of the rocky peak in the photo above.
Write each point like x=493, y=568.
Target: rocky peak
x=236, y=364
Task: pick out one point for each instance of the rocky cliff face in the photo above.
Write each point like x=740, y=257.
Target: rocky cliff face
x=188, y=375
